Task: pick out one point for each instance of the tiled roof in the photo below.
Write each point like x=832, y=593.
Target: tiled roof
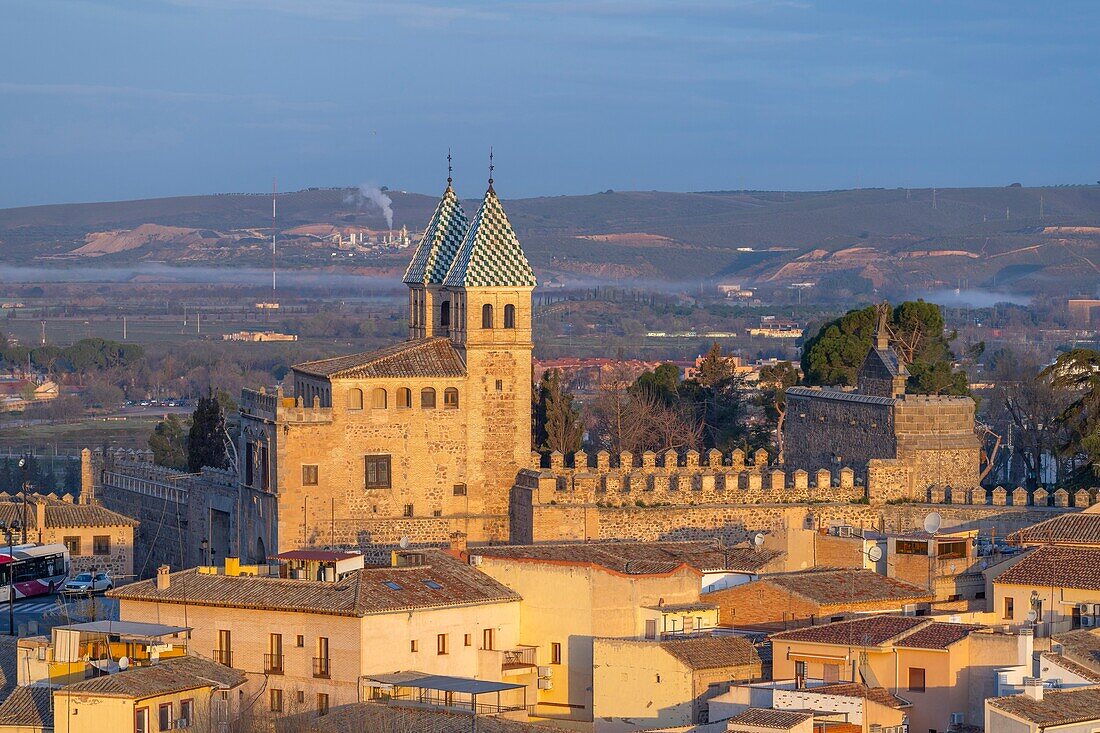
x=429, y=357
x=491, y=255
x=854, y=689
x=1059, y=567
x=169, y=676
x=642, y=557
x=9, y=674
x=1081, y=528
x=1081, y=646
x=839, y=395
x=889, y=360
x=441, y=242
x=361, y=593
x=1058, y=707
x=29, y=707
x=936, y=635
x=1070, y=665
x=903, y=631
x=378, y=716
x=831, y=587
x=768, y=718
x=712, y=652
x=62, y=513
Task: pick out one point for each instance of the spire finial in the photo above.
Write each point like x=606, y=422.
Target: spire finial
x=449, y=170
x=491, y=168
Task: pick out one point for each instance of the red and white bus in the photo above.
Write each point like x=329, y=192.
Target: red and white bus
x=35, y=570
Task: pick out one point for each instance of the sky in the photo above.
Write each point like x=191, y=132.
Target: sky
x=109, y=100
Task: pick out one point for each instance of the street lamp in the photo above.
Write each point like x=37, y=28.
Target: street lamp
x=24, y=463
x=204, y=545
x=8, y=532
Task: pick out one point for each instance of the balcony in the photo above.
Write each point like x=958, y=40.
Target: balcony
x=222, y=656
x=273, y=664
x=320, y=667
x=518, y=660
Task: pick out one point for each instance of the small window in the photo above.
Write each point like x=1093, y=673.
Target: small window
x=101, y=545
x=460, y=490
x=651, y=629
x=951, y=550
x=276, y=701
x=309, y=475
x=378, y=472
x=916, y=679
x=450, y=398
x=378, y=399
x=488, y=639
x=301, y=697
x=487, y=316
x=187, y=713
x=141, y=720
x=322, y=703
x=445, y=313
x=164, y=716
x=911, y=547
x=413, y=646
x=72, y=544
x=408, y=510
x=467, y=639
x=440, y=644
x=509, y=316
x=300, y=641
x=1009, y=608
x=404, y=398
x=555, y=653
x=355, y=399
x=391, y=585
x=500, y=385
x=433, y=585
x=427, y=399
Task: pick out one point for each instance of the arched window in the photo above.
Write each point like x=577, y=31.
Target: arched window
x=450, y=398
x=378, y=399
x=404, y=398
x=445, y=313
x=427, y=399
x=487, y=316
x=509, y=316
x=355, y=399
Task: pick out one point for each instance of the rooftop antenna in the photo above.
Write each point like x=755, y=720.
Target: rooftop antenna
x=449, y=168
x=491, y=167
x=273, y=192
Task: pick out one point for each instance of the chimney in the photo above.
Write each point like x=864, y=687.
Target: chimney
x=1033, y=688
x=1025, y=646
x=40, y=516
x=232, y=566
x=164, y=578
x=458, y=543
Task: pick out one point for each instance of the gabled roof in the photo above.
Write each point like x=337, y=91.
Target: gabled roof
x=831, y=587
x=441, y=582
x=888, y=360
x=1081, y=647
x=169, y=676
x=28, y=707
x=903, y=631
x=60, y=513
x=441, y=242
x=641, y=557
x=1058, y=707
x=428, y=357
x=712, y=652
x=1058, y=567
x=880, y=695
x=491, y=255
x=768, y=718
x=1079, y=528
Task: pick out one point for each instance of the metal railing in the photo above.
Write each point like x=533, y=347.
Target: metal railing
x=222, y=656
x=526, y=656
x=273, y=664
x=320, y=667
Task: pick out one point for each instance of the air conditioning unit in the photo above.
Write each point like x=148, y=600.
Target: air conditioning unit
x=1096, y=609
x=546, y=684
x=181, y=723
x=1084, y=607
x=844, y=531
x=546, y=672
x=1087, y=621
x=958, y=718
x=475, y=560
x=909, y=609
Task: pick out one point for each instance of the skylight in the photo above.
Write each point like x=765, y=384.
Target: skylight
x=391, y=585
x=433, y=585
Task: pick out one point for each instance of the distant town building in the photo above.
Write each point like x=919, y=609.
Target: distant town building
x=257, y=336
x=772, y=327
x=1084, y=311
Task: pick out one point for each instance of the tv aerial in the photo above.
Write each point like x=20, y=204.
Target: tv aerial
x=933, y=522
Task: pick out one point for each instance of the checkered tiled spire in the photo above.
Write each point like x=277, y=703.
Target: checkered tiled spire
x=491, y=255
x=440, y=244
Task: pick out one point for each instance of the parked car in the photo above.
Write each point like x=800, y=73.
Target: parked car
x=87, y=583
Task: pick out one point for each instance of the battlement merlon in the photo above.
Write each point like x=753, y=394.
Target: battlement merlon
x=278, y=408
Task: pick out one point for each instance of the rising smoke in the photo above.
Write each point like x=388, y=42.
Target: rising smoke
x=369, y=193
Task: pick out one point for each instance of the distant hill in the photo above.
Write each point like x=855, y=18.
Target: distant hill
x=985, y=237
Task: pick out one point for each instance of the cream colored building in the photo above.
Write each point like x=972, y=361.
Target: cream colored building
x=834, y=705
x=1038, y=710
x=1058, y=584
x=418, y=439
x=306, y=645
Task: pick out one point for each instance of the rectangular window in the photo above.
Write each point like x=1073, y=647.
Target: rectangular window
x=413, y=646
x=440, y=643
x=1009, y=603
x=951, y=550
x=555, y=653
x=800, y=668
x=309, y=474
x=408, y=510
x=224, y=653
x=488, y=638
x=301, y=697
x=322, y=703
x=378, y=472
x=830, y=673
x=276, y=701
x=301, y=641
x=651, y=628
x=101, y=545
x=911, y=547
x=164, y=716
x=187, y=713
x=916, y=679
x=141, y=720
x=72, y=544
x=460, y=490
x=467, y=640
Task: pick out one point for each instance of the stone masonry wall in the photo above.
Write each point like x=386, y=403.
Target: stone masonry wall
x=818, y=432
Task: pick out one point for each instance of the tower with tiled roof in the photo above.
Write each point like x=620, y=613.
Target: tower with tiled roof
x=490, y=284
x=429, y=306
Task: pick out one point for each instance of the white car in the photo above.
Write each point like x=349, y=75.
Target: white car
x=87, y=583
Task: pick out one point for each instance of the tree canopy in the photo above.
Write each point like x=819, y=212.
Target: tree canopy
x=557, y=422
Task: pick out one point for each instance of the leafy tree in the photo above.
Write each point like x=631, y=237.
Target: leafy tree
x=834, y=354
x=662, y=383
x=714, y=368
x=558, y=425
x=1078, y=371
x=773, y=384
x=168, y=441
x=206, y=440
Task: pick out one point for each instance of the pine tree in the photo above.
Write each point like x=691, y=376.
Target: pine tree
x=559, y=425
x=206, y=441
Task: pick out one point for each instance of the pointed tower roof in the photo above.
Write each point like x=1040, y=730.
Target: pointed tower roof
x=441, y=242
x=491, y=255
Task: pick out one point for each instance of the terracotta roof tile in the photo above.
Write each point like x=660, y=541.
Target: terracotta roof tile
x=1058, y=707
x=1079, y=528
x=642, y=557
x=1081, y=646
x=441, y=581
x=429, y=357
x=872, y=631
x=62, y=513
x=831, y=587
x=936, y=635
x=377, y=716
x=712, y=652
x=1061, y=567
x=172, y=675
x=768, y=718
x=1070, y=665
x=28, y=707
x=880, y=695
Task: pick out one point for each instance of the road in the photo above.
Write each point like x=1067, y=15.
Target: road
x=39, y=614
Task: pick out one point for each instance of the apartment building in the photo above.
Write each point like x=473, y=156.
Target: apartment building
x=835, y=706
x=1038, y=710
x=308, y=644
x=1053, y=589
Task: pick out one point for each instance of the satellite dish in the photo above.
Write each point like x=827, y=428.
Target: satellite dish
x=1031, y=616
x=875, y=553
x=123, y=662
x=984, y=565
x=758, y=539
x=404, y=542
x=932, y=523
x=954, y=568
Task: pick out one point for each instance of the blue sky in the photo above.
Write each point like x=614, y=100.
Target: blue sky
x=105, y=99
